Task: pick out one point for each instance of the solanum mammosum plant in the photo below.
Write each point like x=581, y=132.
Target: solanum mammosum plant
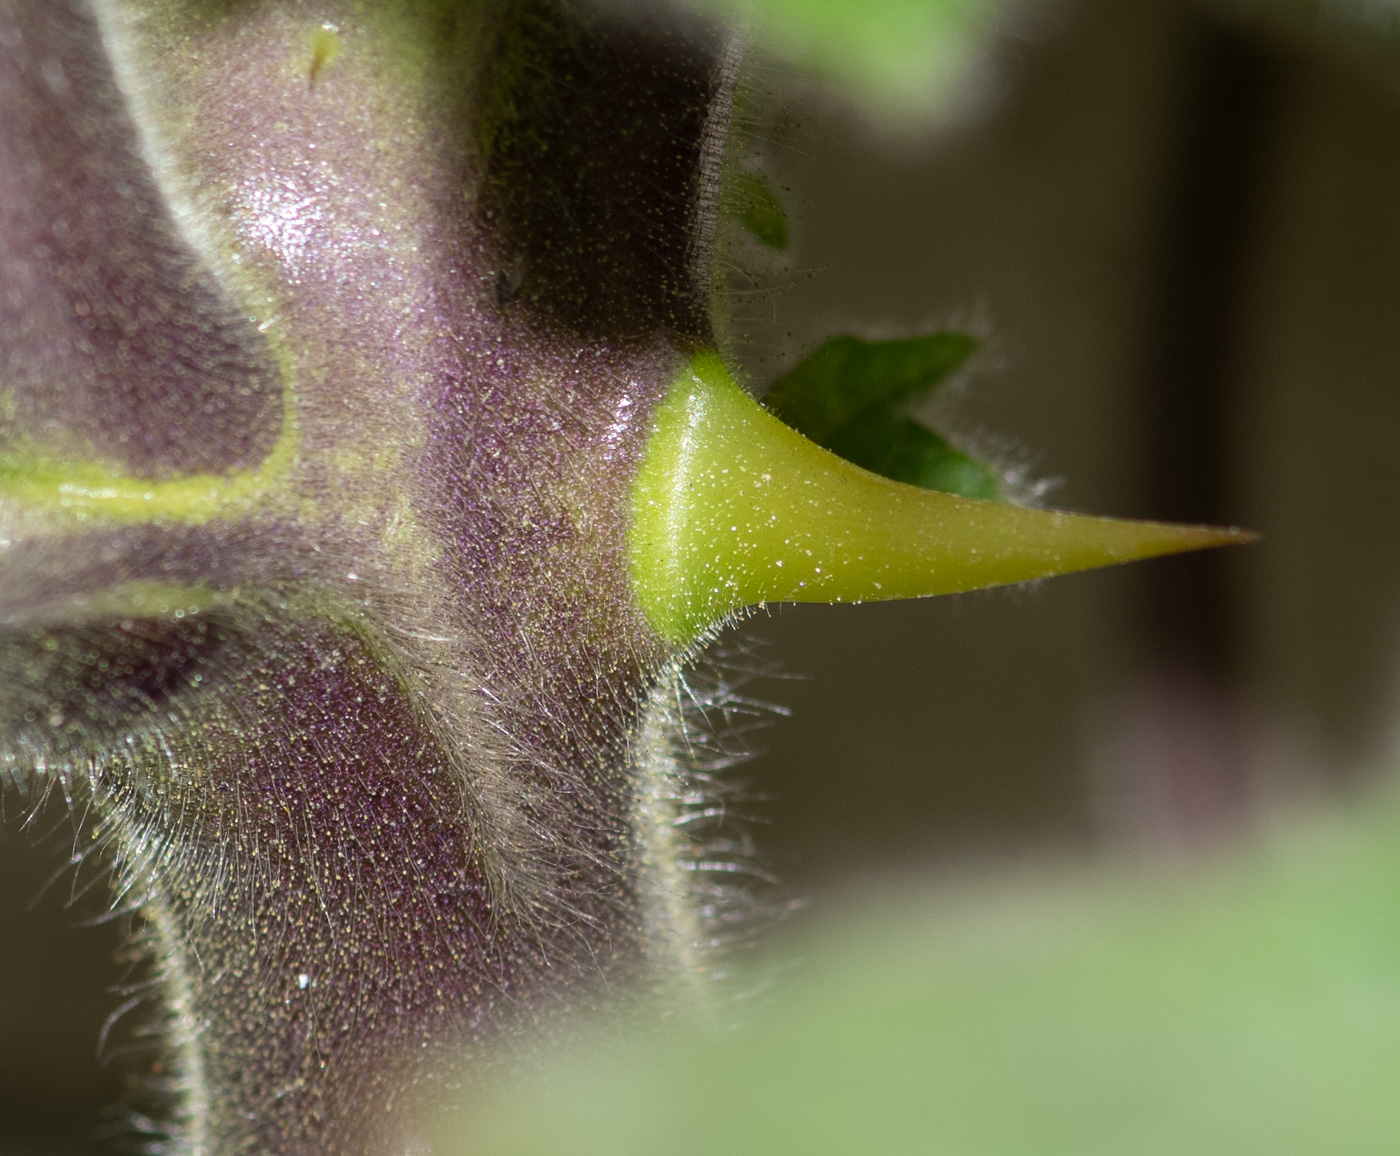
x=370, y=471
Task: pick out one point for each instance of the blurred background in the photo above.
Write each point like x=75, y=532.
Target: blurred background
x=1176, y=227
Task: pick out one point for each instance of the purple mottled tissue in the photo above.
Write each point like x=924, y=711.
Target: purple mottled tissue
x=361, y=309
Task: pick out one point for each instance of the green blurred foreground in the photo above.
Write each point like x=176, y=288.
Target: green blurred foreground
x=1247, y=1005
x=900, y=59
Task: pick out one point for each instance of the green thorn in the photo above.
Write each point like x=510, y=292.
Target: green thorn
x=732, y=508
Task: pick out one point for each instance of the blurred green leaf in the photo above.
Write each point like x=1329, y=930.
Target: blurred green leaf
x=849, y=396
x=1248, y=1006
x=846, y=377
x=900, y=448
x=759, y=211
x=897, y=56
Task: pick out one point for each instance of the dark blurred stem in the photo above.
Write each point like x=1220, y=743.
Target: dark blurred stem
x=1189, y=740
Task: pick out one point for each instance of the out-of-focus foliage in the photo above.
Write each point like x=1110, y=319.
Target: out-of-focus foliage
x=898, y=57
x=1250, y=1005
x=852, y=397
x=1376, y=16
x=759, y=211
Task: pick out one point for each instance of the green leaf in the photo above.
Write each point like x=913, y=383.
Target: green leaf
x=846, y=377
x=898, y=57
x=1248, y=1004
x=848, y=396
x=900, y=448
x=759, y=211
